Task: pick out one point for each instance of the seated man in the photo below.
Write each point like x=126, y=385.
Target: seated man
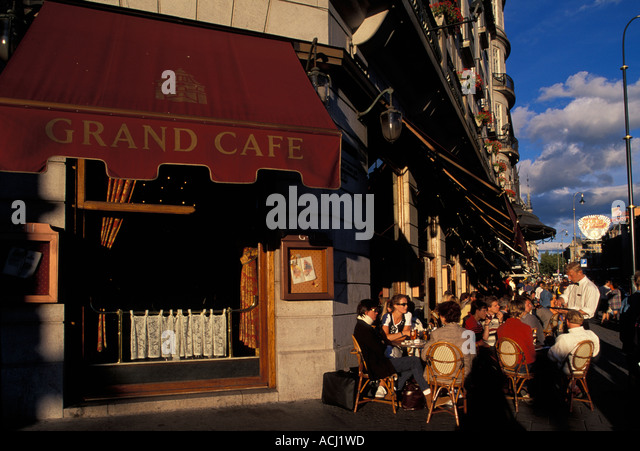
x=544, y=315
x=565, y=343
x=495, y=317
x=373, y=347
x=477, y=321
x=533, y=321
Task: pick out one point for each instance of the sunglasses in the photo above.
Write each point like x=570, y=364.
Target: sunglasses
x=402, y=304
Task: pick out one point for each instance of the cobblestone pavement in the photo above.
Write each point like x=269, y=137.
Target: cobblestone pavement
x=616, y=410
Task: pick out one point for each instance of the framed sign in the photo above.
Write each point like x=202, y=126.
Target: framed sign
x=29, y=263
x=307, y=269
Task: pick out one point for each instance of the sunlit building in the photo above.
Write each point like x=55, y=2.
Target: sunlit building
x=188, y=190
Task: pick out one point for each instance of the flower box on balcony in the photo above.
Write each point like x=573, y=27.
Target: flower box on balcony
x=500, y=167
x=493, y=147
x=483, y=117
x=446, y=11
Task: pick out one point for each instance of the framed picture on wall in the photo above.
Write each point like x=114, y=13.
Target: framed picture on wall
x=307, y=269
x=29, y=263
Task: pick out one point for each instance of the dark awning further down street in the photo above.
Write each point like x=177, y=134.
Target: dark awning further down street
x=532, y=228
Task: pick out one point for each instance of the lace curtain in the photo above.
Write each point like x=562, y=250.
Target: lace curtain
x=181, y=335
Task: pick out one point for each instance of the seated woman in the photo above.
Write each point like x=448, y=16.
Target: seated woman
x=451, y=332
x=518, y=331
x=373, y=348
x=396, y=323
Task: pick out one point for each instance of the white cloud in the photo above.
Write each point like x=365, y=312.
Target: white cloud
x=597, y=3
x=520, y=117
x=584, y=85
x=591, y=115
x=578, y=138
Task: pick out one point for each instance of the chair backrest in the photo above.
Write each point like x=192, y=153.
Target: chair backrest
x=362, y=365
x=510, y=355
x=445, y=361
x=580, y=357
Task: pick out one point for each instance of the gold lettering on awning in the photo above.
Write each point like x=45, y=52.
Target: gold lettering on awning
x=147, y=137
x=177, y=133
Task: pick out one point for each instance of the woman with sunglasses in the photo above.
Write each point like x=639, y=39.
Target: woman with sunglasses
x=396, y=323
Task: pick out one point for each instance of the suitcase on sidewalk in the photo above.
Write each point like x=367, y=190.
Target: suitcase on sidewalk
x=339, y=389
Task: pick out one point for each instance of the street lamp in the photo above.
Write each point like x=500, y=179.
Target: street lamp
x=562, y=235
x=575, y=242
x=627, y=138
x=390, y=119
x=321, y=82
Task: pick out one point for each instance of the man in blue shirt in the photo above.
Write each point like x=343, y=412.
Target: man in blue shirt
x=545, y=296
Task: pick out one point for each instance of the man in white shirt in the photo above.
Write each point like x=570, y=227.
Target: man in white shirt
x=582, y=294
x=539, y=290
x=565, y=343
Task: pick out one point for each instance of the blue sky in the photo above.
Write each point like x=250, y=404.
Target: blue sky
x=569, y=116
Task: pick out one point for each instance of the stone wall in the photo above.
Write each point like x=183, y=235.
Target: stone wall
x=32, y=353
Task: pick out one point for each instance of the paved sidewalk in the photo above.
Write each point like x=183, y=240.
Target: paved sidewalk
x=616, y=410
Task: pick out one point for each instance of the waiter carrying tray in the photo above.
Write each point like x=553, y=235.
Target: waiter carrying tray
x=581, y=294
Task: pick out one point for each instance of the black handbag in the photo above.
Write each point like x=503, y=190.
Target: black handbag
x=339, y=389
x=412, y=397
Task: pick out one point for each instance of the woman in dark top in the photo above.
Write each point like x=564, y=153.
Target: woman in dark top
x=374, y=345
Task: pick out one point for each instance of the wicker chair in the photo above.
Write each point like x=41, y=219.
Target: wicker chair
x=578, y=362
x=556, y=325
x=445, y=371
x=513, y=364
x=364, y=381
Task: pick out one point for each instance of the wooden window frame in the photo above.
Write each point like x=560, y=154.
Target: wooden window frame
x=267, y=351
x=95, y=205
x=38, y=232
x=325, y=291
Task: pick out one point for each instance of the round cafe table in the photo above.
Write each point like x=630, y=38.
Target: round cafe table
x=412, y=345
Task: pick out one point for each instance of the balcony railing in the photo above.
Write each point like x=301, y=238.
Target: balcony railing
x=504, y=83
x=503, y=80
x=509, y=141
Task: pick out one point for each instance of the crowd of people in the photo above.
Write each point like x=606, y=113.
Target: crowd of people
x=546, y=319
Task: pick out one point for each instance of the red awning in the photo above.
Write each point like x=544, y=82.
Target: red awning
x=88, y=83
